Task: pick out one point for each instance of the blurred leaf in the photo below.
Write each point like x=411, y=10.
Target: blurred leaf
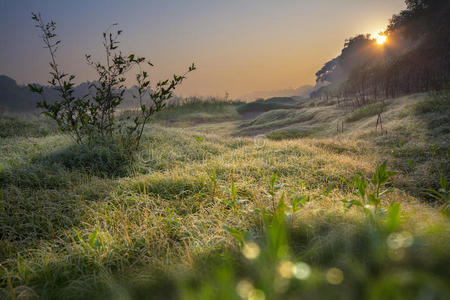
x=393, y=220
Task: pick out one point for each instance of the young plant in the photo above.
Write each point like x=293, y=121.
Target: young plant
x=234, y=201
x=89, y=117
x=273, y=188
x=93, y=241
x=270, y=257
x=170, y=220
x=239, y=235
x=370, y=191
x=70, y=112
x=213, y=179
x=393, y=217
x=327, y=190
x=296, y=204
x=442, y=195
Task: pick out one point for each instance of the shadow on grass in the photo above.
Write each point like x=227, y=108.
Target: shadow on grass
x=44, y=197
x=102, y=159
x=66, y=166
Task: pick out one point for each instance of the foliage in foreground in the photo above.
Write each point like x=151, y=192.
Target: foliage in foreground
x=379, y=260
x=374, y=263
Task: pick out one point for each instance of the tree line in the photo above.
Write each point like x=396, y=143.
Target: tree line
x=415, y=58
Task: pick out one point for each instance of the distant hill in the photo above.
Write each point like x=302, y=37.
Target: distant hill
x=14, y=97
x=18, y=98
x=302, y=91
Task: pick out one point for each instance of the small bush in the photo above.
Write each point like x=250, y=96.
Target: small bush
x=91, y=116
x=436, y=102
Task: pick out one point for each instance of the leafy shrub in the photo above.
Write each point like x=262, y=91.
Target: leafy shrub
x=436, y=102
x=89, y=117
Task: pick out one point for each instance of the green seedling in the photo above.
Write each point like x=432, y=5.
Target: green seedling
x=93, y=241
x=327, y=190
x=273, y=188
x=171, y=220
x=213, y=179
x=296, y=204
x=236, y=233
x=370, y=191
x=442, y=195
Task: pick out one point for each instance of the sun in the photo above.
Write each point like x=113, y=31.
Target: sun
x=381, y=39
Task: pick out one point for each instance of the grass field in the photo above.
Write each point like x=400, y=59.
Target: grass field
x=218, y=205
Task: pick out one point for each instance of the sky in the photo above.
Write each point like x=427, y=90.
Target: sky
x=238, y=46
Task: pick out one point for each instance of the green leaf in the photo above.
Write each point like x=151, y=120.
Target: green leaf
x=350, y=203
x=35, y=89
x=236, y=233
x=393, y=220
x=93, y=238
x=233, y=193
x=373, y=199
x=443, y=182
x=298, y=202
x=273, y=179
x=388, y=191
x=213, y=177
x=360, y=183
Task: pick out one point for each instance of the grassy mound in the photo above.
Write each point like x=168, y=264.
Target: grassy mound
x=261, y=105
x=200, y=111
x=365, y=112
x=274, y=119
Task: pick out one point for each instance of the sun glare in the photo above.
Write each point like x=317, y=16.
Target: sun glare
x=381, y=39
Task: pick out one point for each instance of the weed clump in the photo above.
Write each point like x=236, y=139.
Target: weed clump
x=435, y=102
x=366, y=112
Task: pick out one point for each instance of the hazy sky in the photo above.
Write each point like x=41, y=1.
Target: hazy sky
x=238, y=46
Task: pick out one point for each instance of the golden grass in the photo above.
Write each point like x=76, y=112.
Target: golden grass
x=68, y=231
